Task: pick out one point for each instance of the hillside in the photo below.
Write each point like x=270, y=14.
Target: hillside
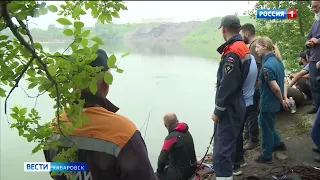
x=208, y=32
x=204, y=32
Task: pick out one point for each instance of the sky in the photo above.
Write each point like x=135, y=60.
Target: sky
x=180, y=11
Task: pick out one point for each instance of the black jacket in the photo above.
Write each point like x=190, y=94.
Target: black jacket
x=110, y=144
x=177, y=153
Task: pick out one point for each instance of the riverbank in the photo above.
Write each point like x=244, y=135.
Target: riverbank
x=196, y=32
x=294, y=130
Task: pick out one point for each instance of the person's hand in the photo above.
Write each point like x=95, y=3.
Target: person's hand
x=291, y=76
x=318, y=65
x=309, y=43
x=315, y=40
x=285, y=104
x=214, y=118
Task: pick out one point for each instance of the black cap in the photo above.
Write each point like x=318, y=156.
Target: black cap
x=303, y=55
x=230, y=21
x=308, y=52
x=101, y=60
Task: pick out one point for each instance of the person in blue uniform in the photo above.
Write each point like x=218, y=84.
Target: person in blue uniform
x=230, y=105
x=273, y=94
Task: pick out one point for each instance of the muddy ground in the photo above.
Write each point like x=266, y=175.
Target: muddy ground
x=294, y=131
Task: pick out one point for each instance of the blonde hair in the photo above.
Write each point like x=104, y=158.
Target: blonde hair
x=267, y=43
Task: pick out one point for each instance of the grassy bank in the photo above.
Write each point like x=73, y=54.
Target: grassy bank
x=208, y=33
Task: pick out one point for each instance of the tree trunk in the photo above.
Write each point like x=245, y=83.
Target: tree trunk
x=301, y=27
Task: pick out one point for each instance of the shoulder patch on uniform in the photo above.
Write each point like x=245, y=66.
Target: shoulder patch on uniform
x=230, y=60
x=266, y=73
x=228, y=65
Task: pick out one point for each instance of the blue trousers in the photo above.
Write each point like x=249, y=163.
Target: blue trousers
x=237, y=155
x=227, y=130
x=270, y=137
x=315, y=132
x=314, y=84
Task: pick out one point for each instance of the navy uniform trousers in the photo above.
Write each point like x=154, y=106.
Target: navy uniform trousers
x=314, y=84
x=227, y=130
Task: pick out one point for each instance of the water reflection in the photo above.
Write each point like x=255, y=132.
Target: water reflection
x=164, y=49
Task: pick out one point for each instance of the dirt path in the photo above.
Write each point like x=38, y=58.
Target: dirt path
x=294, y=131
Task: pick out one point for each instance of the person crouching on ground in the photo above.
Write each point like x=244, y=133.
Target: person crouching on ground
x=230, y=106
x=315, y=132
x=177, y=159
x=301, y=79
x=273, y=87
x=109, y=143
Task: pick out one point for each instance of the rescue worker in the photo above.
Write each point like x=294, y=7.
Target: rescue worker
x=313, y=41
x=230, y=106
x=273, y=93
x=251, y=132
x=248, y=93
x=177, y=159
x=110, y=144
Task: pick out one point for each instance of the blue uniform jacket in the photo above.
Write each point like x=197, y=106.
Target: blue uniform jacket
x=232, y=72
x=272, y=69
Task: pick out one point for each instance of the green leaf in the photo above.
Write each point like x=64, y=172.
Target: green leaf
x=119, y=70
x=78, y=24
x=125, y=54
x=68, y=32
x=115, y=14
x=32, y=85
x=3, y=37
x=77, y=31
x=84, y=42
x=36, y=149
x=2, y=92
x=43, y=11
x=82, y=12
x=14, y=116
x=23, y=111
x=64, y=21
x=20, y=132
x=30, y=138
x=93, y=86
x=108, y=78
x=52, y=8
x=38, y=46
x=98, y=40
x=86, y=33
x=111, y=61
x=108, y=17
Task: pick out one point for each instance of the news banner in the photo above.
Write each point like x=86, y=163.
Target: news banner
x=276, y=14
x=55, y=167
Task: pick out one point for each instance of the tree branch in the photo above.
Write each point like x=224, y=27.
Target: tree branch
x=24, y=26
x=25, y=44
x=17, y=82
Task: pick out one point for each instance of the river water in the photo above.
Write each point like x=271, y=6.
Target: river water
x=156, y=81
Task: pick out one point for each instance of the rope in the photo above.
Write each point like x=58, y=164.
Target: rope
x=146, y=122
x=145, y=133
x=203, y=158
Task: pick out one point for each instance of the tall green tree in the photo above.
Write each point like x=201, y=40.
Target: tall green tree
x=53, y=74
x=290, y=34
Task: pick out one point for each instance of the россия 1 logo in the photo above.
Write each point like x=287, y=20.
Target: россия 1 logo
x=276, y=14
